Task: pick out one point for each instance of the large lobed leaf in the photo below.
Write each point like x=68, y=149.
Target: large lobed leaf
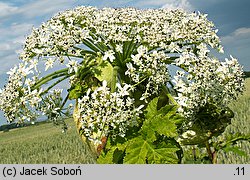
x=142, y=151
x=161, y=121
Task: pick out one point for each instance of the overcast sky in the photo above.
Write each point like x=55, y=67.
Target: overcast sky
x=17, y=17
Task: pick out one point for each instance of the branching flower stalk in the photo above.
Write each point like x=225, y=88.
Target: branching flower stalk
x=118, y=64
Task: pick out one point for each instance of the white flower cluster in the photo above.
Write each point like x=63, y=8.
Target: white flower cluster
x=206, y=80
x=154, y=33
x=16, y=101
x=150, y=67
x=20, y=101
x=62, y=35
x=103, y=113
x=51, y=106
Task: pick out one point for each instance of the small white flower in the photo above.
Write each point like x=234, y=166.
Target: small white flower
x=49, y=63
x=173, y=47
x=105, y=111
x=33, y=64
x=130, y=70
x=73, y=66
x=12, y=71
x=38, y=51
x=119, y=48
x=123, y=91
x=188, y=134
x=109, y=55
x=29, y=82
x=104, y=87
x=220, y=49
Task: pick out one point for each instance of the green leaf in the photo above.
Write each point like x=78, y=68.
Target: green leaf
x=165, y=152
x=164, y=126
x=168, y=110
x=141, y=151
x=148, y=132
x=104, y=72
x=163, y=100
x=136, y=151
x=112, y=154
x=76, y=91
x=163, y=156
x=153, y=143
x=235, y=149
x=231, y=140
x=152, y=109
x=119, y=153
x=161, y=121
x=106, y=158
x=118, y=156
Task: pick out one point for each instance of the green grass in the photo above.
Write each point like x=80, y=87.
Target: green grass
x=240, y=124
x=45, y=143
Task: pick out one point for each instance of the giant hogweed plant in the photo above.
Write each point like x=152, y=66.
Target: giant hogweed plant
x=128, y=107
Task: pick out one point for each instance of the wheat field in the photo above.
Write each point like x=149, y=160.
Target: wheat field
x=43, y=144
